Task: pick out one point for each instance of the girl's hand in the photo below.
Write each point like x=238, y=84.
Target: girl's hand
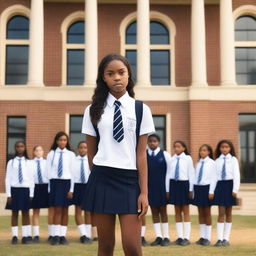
x=9, y=200
x=142, y=205
x=234, y=194
x=190, y=195
x=168, y=195
x=70, y=195
x=211, y=196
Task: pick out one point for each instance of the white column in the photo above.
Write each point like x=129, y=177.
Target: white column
x=198, y=48
x=227, y=44
x=143, y=43
x=36, y=46
x=91, y=35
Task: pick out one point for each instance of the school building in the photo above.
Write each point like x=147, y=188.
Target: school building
x=194, y=63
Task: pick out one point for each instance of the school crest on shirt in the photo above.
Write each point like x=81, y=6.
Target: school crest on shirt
x=131, y=124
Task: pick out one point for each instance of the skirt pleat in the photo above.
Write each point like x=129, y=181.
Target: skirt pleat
x=78, y=194
x=41, y=197
x=179, y=192
x=201, y=196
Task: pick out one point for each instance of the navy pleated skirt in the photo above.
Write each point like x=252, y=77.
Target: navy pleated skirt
x=157, y=195
x=59, y=192
x=201, y=196
x=20, y=199
x=179, y=192
x=112, y=190
x=223, y=193
x=41, y=196
x=78, y=194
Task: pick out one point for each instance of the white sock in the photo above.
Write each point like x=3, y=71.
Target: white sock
x=88, y=230
x=165, y=230
x=94, y=232
x=179, y=229
x=36, y=230
x=81, y=229
x=63, y=230
x=29, y=230
x=208, y=232
x=202, y=230
x=228, y=226
x=15, y=231
x=187, y=230
x=143, y=231
x=24, y=231
x=220, y=230
x=157, y=229
x=56, y=229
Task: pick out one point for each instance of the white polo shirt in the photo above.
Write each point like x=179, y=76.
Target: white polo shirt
x=110, y=152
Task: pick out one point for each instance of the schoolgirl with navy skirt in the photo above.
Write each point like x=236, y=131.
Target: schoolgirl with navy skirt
x=179, y=186
x=204, y=186
x=158, y=161
x=19, y=185
x=60, y=161
x=81, y=172
x=116, y=128
x=228, y=175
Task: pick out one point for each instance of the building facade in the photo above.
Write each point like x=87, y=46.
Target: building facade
x=194, y=63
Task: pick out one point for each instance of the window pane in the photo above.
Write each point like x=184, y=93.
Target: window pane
x=245, y=29
x=159, y=34
x=160, y=67
x=16, y=131
x=16, y=64
x=75, y=34
x=131, y=55
x=75, y=67
x=75, y=133
x=18, y=28
x=131, y=33
x=160, y=127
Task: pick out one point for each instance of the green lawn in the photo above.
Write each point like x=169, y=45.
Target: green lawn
x=243, y=242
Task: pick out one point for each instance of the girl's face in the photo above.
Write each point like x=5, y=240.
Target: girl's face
x=116, y=77
x=20, y=149
x=82, y=149
x=62, y=142
x=204, y=152
x=225, y=148
x=39, y=152
x=153, y=143
x=178, y=148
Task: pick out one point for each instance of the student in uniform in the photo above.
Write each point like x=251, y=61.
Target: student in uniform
x=60, y=161
x=158, y=160
x=117, y=156
x=19, y=185
x=179, y=186
x=228, y=175
x=204, y=186
x=81, y=172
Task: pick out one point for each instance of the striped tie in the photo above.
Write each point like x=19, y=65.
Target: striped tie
x=223, y=173
x=200, y=175
x=82, y=176
x=39, y=173
x=153, y=153
x=20, y=172
x=177, y=169
x=118, y=129
x=60, y=165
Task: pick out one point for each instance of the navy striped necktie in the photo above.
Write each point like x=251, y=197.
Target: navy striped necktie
x=177, y=169
x=20, y=174
x=223, y=172
x=118, y=129
x=60, y=165
x=39, y=173
x=82, y=176
x=200, y=175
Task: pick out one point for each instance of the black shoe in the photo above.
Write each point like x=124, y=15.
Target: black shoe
x=200, y=241
x=88, y=240
x=49, y=239
x=29, y=239
x=36, y=239
x=225, y=242
x=95, y=239
x=179, y=241
x=185, y=242
x=24, y=240
x=63, y=240
x=82, y=239
x=158, y=241
x=219, y=243
x=205, y=242
x=14, y=240
x=165, y=242
x=143, y=241
x=55, y=240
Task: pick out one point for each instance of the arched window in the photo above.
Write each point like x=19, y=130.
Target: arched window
x=245, y=43
x=17, y=46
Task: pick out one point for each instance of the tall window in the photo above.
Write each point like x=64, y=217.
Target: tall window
x=160, y=127
x=75, y=127
x=160, y=51
x=16, y=131
x=75, y=53
x=17, y=43
x=245, y=36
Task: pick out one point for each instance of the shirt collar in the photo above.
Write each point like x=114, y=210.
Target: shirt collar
x=204, y=159
x=61, y=150
x=180, y=155
x=228, y=156
x=82, y=157
x=22, y=158
x=156, y=151
x=40, y=158
x=124, y=99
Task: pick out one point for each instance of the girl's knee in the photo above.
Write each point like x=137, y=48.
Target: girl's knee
x=132, y=249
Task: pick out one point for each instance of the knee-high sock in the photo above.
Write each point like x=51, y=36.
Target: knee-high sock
x=220, y=230
x=81, y=229
x=36, y=230
x=143, y=231
x=227, y=230
x=157, y=229
x=187, y=230
x=15, y=231
x=208, y=232
x=179, y=229
x=88, y=230
x=202, y=230
x=165, y=230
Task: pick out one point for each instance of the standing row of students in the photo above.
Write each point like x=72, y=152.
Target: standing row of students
x=173, y=180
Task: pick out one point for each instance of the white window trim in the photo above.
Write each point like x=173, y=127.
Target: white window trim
x=69, y=20
x=5, y=16
x=154, y=16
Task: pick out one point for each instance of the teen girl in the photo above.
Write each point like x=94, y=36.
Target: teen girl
x=204, y=186
x=118, y=181
x=60, y=161
x=228, y=175
x=158, y=160
x=179, y=186
x=81, y=172
x=20, y=191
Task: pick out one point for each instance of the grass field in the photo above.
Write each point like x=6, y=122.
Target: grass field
x=243, y=241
